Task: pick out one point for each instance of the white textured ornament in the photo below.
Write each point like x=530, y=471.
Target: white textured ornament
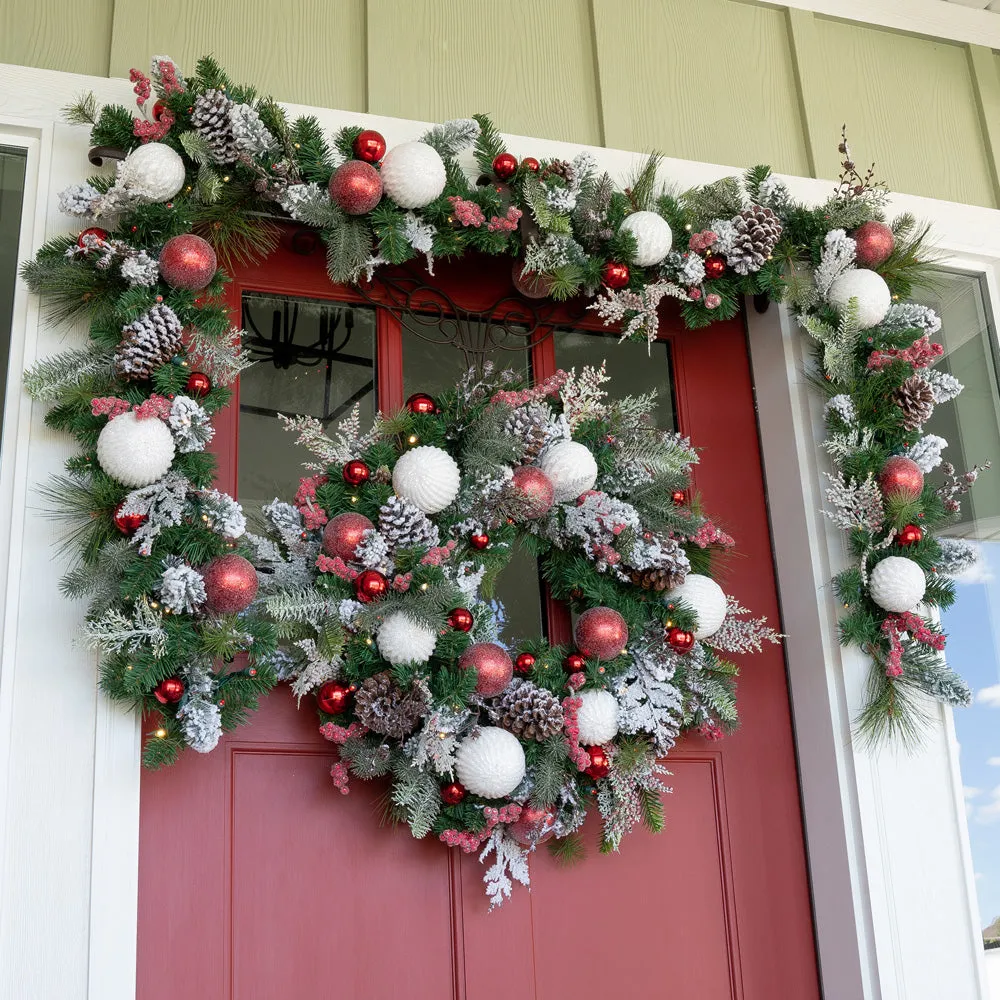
x=897, y=584
x=653, y=237
x=413, y=174
x=490, y=763
x=135, y=452
x=571, y=467
x=868, y=288
x=428, y=477
x=153, y=172
x=402, y=640
x=597, y=717
x=705, y=598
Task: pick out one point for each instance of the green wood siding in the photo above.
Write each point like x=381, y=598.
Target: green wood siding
x=772, y=85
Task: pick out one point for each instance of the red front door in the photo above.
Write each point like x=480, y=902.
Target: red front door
x=259, y=882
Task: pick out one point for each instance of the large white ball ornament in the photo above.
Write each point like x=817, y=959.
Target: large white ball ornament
x=428, y=477
x=652, y=234
x=868, y=288
x=413, y=174
x=897, y=584
x=597, y=717
x=490, y=763
x=705, y=598
x=571, y=467
x=135, y=452
x=153, y=172
x=402, y=640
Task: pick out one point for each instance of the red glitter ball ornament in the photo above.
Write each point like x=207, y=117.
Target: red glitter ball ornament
x=524, y=663
x=198, y=384
x=599, y=763
x=910, y=535
x=169, y=691
x=601, y=632
x=369, y=146
x=460, y=619
x=127, y=524
x=901, y=477
x=529, y=283
x=343, y=534
x=492, y=664
x=333, y=698
x=574, y=663
x=679, y=640
x=420, y=402
x=536, y=488
x=230, y=584
x=356, y=187
x=715, y=267
x=678, y=497
x=505, y=166
x=99, y=234
x=369, y=586
x=356, y=472
x=530, y=163
x=533, y=826
x=187, y=262
x=874, y=244
x=453, y=793
x=614, y=275
x=479, y=541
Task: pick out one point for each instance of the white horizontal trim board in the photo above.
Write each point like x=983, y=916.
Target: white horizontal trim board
x=879, y=829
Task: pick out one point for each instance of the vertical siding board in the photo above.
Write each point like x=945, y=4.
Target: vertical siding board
x=52, y=34
x=802, y=36
x=985, y=72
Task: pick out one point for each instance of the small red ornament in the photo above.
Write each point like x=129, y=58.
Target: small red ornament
x=99, y=234
x=479, y=541
x=536, y=488
x=601, y=632
x=614, y=275
x=902, y=477
x=524, y=663
x=333, y=698
x=599, y=764
x=169, y=691
x=343, y=534
x=356, y=472
x=694, y=293
x=127, y=524
x=679, y=640
x=492, y=664
x=420, y=402
x=873, y=244
x=230, y=584
x=678, y=497
x=715, y=267
x=529, y=283
x=574, y=663
x=198, y=384
x=356, y=187
x=505, y=166
x=910, y=535
x=533, y=826
x=460, y=619
x=369, y=586
x=158, y=108
x=187, y=262
x=369, y=146
x=453, y=793
x=530, y=163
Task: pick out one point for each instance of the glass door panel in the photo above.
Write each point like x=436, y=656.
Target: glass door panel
x=12, y=164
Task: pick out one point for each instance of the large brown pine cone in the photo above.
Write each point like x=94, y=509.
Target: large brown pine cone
x=527, y=711
x=385, y=708
x=658, y=578
x=147, y=343
x=210, y=118
x=916, y=399
x=757, y=232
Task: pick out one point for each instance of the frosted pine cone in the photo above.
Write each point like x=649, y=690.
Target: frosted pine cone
x=385, y=708
x=211, y=120
x=406, y=526
x=658, y=578
x=147, y=343
x=532, y=425
x=756, y=233
x=915, y=398
x=527, y=711
x=558, y=168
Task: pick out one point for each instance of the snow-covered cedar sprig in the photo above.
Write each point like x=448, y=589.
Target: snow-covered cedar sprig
x=115, y=631
x=636, y=313
x=510, y=864
x=348, y=442
x=743, y=635
x=221, y=358
x=854, y=504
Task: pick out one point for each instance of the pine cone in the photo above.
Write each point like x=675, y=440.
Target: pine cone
x=527, y=711
x=915, y=398
x=657, y=578
x=558, y=168
x=406, y=526
x=147, y=343
x=532, y=425
x=756, y=233
x=385, y=708
x=210, y=118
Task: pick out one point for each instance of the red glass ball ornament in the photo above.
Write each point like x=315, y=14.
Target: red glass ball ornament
x=356, y=472
x=460, y=619
x=599, y=764
x=678, y=497
x=492, y=664
x=530, y=163
x=601, y=632
x=99, y=234
x=127, y=524
x=524, y=663
x=479, y=541
x=679, y=640
x=453, y=793
x=536, y=488
x=614, y=275
x=715, y=267
x=574, y=663
x=198, y=384
x=369, y=146
x=169, y=691
x=529, y=283
x=420, y=402
x=370, y=586
x=874, y=244
x=505, y=166
x=902, y=477
x=187, y=262
x=230, y=584
x=343, y=534
x=533, y=826
x=356, y=187
x=910, y=535
x=333, y=698
x=158, y=108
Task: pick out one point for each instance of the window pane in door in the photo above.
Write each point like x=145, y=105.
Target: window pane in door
x=314, y=358
x=12, y=164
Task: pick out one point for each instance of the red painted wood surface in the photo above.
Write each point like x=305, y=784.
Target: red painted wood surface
x=258, y=881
